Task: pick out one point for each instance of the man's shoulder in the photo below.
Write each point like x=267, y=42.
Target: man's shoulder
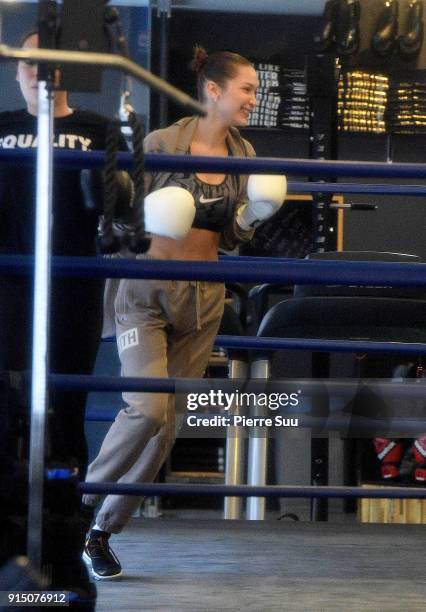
x=14, y=124
x=10, y=117
x=87, y=117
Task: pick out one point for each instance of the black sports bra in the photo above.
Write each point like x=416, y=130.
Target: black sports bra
x=215, y=204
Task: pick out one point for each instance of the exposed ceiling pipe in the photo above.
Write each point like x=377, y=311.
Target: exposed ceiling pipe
x=265, y=7
x=277, y=7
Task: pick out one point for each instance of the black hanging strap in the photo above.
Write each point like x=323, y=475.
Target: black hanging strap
x=138, y=242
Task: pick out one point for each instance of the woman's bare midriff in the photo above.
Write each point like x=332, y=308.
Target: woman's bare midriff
x=199, y=245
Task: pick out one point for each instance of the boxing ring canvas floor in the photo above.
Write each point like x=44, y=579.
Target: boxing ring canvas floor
x=212, y=565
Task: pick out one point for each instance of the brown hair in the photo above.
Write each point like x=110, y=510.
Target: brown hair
x=219, y=67
x=31, y=32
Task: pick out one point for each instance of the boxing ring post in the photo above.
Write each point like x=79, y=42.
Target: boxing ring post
x=40, y=354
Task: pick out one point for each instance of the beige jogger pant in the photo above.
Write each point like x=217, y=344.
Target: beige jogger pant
x=163, y=328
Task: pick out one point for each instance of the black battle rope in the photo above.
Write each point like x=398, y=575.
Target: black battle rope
x=139, y=243
x=108, y=242
x=134, y=234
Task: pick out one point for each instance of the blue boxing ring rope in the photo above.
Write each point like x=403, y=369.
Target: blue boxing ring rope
x=259, y=165
x=243, y=269
x=73, y=382
x=159, y=162
x=113, y=488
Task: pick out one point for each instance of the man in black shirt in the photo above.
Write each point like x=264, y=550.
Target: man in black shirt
x=76, y=304
x=76, y=312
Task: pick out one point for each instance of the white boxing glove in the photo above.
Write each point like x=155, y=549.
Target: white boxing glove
x=266, y=195
x=169, y=212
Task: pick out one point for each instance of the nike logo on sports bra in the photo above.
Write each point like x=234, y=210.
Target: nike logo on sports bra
x=204, y=200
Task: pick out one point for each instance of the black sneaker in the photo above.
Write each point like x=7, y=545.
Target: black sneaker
x=100, y=558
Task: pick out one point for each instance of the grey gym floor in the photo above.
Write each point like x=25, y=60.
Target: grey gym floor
x=208, y=564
